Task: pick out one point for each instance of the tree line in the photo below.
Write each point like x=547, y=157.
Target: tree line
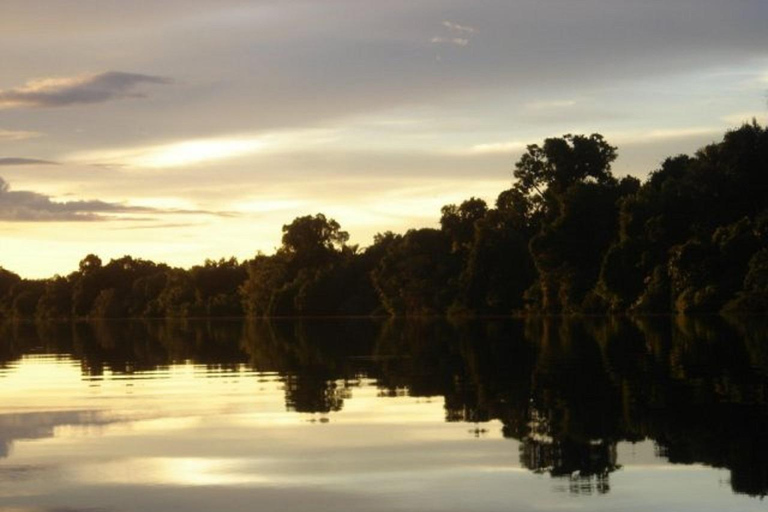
x=567, y=237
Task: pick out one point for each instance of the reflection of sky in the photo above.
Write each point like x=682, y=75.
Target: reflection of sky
x=190, y=439
x=376, y=113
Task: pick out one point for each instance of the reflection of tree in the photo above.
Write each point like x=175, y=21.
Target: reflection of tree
x=126, y=347
x=573, y=420
x=418, y=356
x=316, y=359
x=568, y=389
x=314, y=394
x=571, y=389
x=571, y=382
x=586, y=465
x=710, y=405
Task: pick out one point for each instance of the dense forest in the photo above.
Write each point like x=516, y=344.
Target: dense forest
x=567, y=237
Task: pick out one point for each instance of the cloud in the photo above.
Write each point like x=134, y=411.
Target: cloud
x=190, y=152
x=168, y=225
x=744, y=117
x=16, y=135
x=455, y=27
x=499, y=147
x=80, y=90
x=28, y=206
x=457, y=41
x=24, y=161
x=176, y=154
x=553, y=104
x=459, y=34
x=665, y=134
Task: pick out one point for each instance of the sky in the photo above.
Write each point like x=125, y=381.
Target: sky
x=190, y=129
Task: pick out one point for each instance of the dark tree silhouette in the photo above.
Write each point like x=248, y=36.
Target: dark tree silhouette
x=567, y=237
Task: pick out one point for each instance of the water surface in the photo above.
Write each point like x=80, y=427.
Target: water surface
x=537, y=414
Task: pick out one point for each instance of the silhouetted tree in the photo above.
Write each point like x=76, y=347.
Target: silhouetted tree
x=418, y=274
x=566, y=237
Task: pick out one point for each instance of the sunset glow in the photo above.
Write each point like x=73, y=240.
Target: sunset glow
x=272, y=115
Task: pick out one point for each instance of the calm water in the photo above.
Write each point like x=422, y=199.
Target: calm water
x=616, y=415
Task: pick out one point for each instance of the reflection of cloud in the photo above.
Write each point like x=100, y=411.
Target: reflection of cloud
x=26, y=206
x=60, y=92
x=40, y=425
x=16, y=135
x=24, y=161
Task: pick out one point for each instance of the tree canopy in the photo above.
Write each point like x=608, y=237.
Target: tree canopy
x=566, y=237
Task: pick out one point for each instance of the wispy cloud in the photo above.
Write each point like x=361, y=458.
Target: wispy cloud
x=265, y=205
x=551, y=104
x=16, y=135
x=13, y=161
x=457, y=41
x=642, y=137
x=25, y=205
x=499, y=147
x=191, y=152
x=79, y=90
x=28, y=206
x=169, y=225
x=457, y=35
x=455, y=27
x=175, y=154
x=744, y=117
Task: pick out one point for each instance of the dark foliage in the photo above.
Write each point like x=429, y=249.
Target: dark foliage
x=567, y=237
